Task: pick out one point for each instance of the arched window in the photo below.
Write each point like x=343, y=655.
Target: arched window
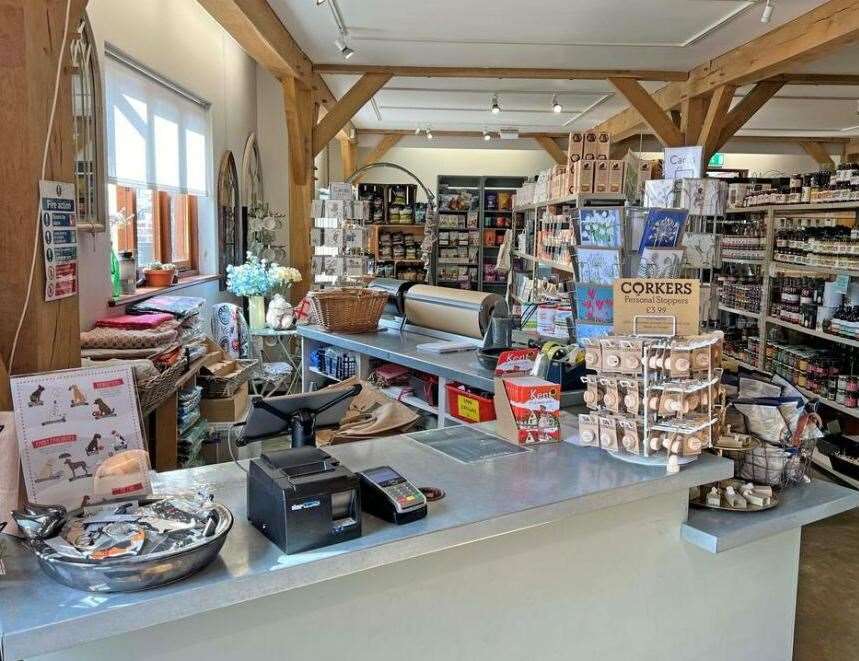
x=252, y=188
x=229, y=215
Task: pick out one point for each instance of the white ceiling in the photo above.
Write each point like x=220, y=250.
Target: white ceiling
x=582, y=34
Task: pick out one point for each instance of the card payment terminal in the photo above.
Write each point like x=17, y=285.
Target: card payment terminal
x=387, y=494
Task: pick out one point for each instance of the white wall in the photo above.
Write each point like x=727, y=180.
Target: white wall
x=179, y=40
x=428, y=163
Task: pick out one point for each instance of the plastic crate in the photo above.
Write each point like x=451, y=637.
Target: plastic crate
x=468, y=406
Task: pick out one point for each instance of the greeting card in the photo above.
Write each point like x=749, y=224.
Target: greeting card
x=661, y=263
x=663, y=228
x=601, y=226
x=586, y=330
x=594, y=303
x=598, y=266
x=700, y=249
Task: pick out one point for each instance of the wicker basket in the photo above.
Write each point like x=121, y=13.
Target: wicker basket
x=350, y=309
x=154, y=391
x=218, y=387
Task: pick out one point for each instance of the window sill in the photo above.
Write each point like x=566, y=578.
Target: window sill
x=143, y=293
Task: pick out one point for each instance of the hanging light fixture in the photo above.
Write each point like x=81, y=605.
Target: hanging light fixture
x=495, y=108
x=486, y=136
x=556, y=105
x=768, y=11
x=320, y=2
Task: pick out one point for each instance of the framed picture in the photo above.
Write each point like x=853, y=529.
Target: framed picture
x=598, y=266
x=663, y=228
x=661, y=263
x=585, y=330
x=594, y=303
x=601, y=226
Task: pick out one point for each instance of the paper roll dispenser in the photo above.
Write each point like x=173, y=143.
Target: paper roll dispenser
x=302, y=499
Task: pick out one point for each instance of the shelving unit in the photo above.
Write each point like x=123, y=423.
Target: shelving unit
x=769, y=267
x=524, y=214
x=742, y=313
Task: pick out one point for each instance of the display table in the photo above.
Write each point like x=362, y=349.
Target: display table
x=563, y=552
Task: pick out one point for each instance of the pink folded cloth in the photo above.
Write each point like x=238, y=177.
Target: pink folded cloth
x=135, y=321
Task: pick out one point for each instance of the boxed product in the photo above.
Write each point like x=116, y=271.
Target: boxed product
x=587, y=170
x=533, y=406
x=601, y=177
x=616, y=176
x=559, y=178
x=603, y=145
x=591, y=148
x=575, y=147
x=226, y=409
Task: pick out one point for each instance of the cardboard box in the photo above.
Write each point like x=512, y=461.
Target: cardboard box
x=586, y=176
x=571, y=180
x=591, y=146
x=615, y=177
x=226, y=409
x=601, y=177
x=575, y=147
x=603, y=145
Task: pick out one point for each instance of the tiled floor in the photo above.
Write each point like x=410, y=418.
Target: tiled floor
x=827, y=609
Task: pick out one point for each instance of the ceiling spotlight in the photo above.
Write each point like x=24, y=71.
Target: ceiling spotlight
x=429, y=133
x=344, y=49
x=768, y=11
x=417, y=131
x=320, y=2
x=486, y=136
x=495, y=108
x=556, y=105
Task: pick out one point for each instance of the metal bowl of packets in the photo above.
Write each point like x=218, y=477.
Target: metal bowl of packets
x=127, y=546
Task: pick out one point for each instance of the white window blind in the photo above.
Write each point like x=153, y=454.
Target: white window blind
x=158, y=136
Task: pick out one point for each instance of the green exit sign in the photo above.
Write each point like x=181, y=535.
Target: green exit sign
x=717, y=160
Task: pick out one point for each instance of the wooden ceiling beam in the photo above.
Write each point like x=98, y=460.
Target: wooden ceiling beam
x=260, y=32
x=714, y=121
x=819, y=153
x=628, y=122
x=815, y=79
x=501, y=72
x=692, y=114
x=381, y=148
x=346, y=108
x=851, y=148
x=325, y=98
x=821, y=31
x=348, y=157
x=458, y=134
x=650, y=110
x=746, y=108
x=552, y=148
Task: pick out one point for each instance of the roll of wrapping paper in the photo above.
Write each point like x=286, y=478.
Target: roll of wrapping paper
x=395, y=289
x=458, y=311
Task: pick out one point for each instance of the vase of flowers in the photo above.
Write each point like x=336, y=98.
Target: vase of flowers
x=256, y=279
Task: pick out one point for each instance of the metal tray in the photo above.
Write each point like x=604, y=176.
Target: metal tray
x=136, y=573
x=697, y=502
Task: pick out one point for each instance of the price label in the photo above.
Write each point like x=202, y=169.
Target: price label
x=468, y=408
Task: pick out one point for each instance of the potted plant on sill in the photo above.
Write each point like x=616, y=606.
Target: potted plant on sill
x=159, y=275
x=256, y=279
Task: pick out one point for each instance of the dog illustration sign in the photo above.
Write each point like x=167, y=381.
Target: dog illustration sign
x=70, y=423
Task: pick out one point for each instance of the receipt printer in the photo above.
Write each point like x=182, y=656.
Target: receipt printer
x=302, y=499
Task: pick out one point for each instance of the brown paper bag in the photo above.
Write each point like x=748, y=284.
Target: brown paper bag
x=12, y=493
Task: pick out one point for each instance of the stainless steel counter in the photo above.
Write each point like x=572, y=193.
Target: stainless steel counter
x=483, y=500
x=716, y=531
x=400, y=347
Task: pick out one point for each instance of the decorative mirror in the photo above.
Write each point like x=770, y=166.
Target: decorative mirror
x=229, y=215
x=252, y=189
x=88, y=129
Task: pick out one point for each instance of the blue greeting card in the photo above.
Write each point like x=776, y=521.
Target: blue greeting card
x=586, y=330
x=601, y=227
x=594, y=303
x=663, y=228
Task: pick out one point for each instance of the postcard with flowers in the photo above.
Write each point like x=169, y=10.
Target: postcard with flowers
x=598, y=266
x=663, y=228
x=594, y=303
x=661, y=263
x=601, y=226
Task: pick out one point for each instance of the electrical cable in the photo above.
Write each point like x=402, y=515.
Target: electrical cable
x=44, y=167
x=230, y=446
